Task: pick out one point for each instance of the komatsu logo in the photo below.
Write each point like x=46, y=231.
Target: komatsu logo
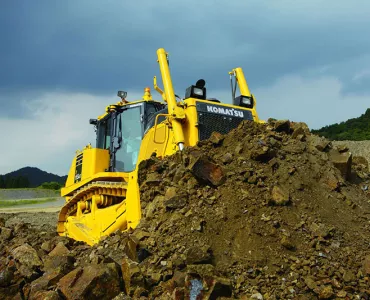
x=225, y=111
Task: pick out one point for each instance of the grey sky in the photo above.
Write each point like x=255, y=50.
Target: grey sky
x=295, y=54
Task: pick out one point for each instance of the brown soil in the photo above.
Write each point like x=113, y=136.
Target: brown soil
x=268, y=211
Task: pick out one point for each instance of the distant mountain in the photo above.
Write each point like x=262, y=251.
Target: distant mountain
x=35, y=176
x=356, y=129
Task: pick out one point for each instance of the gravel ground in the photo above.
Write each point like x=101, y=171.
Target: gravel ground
x=358, y=148
x=15, y=194
x=39, y=219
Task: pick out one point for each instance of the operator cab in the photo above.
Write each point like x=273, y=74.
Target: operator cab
x=122, y=130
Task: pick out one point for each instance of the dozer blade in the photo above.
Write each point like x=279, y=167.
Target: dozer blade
x=93, y=211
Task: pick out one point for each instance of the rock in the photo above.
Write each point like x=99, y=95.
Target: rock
x=197, y=225
x=203, y=270
x=320, y=230
x=331, y=181
x=310, y=282
x=153, y=178
x=5, y=234
x=95, y=258
x=227, y=158
x=282, y=126
x=262, y=153
x=366, y=265
x=140, y=234
x=179, y=294
x=279, y=196
x=300, y=125
x=238, y=149
x=140, y=292
x=207, y=172
x=197, y=255
x=209, y=287
x=47, y=246
x=323, y=145
x=326, y=292
x=122, y=296
x=59, y=250
x=45, y=295
x=342, y=161
x=256, y=296
x=132, y=275
x=295, y=125
x=153, y=206
x=27, y=260
x=361, y=161
x=180, y=173
x=91, y=282
x=342, y=148
x=20, y=227
x=348, y=276
x=220, y=287
x=142, y=254
x=6, y=277
x=175, y=199
x=179, y=278
x=252, y=179
x=298, y=133
x=63, y=263
x=342, y=294
x=216, y=138
x=287, y=243
x=48, y=279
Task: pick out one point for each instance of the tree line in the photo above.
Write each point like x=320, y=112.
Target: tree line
x=356, y=129
x=18, y=182
x=14, y=182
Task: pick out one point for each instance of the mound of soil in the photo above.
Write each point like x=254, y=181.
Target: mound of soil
x=268, y=211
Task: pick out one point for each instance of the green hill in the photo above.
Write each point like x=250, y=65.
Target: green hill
x=356, y=129
x=29, y=177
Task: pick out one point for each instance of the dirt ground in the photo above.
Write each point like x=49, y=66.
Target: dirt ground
x=266, y=212
x=35, y=217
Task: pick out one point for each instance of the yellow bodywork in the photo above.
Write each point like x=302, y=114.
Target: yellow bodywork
x=99, y=201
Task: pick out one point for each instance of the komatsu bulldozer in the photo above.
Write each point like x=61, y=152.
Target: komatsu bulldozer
x=102, y=192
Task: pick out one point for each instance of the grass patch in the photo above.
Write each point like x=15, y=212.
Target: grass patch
x=10, y=203
x=27, y=193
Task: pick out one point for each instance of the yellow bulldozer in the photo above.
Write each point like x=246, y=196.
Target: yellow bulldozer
x=102, y=192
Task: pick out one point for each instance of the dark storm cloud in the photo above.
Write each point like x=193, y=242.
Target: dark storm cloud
x=99, y=47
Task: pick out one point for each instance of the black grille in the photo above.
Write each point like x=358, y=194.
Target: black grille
x=209, y=123
x=219, y=118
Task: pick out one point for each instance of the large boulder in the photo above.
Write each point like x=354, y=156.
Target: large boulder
x=91, y=282
x=342, y=161
x=27, y=261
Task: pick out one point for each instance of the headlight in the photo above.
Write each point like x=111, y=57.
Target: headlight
x=195, y=92
x=247, y=101
x=198, y=92
x=122, y=94
x=244, y=101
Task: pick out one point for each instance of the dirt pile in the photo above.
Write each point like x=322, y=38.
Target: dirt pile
x=268, y=211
